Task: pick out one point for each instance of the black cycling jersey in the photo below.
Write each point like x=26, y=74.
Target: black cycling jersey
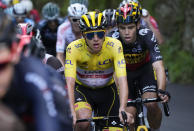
x=48, y=36
x=139, y=57
x=37, y=95
x=143, y=50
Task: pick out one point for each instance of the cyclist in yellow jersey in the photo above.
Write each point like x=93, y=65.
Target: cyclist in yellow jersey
x=89, y=67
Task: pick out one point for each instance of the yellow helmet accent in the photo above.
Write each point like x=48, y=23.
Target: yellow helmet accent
x=129, y=13
x=86, y=20
x=15, y=2
x=92, y=20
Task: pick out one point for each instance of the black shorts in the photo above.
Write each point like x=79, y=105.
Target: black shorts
x=145, y=78
x=104, y=101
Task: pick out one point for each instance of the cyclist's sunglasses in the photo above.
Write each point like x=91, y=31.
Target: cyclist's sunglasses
x=90, y=34
x=75, y=19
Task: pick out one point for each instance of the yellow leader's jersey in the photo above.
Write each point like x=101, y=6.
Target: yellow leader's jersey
x=95, y=70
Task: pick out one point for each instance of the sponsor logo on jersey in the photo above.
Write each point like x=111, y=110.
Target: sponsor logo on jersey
x=107, y=61
x=158, y=57
x=84, y=65
x=120, y=50
x=153, y=38
x=135, y=58
x=110, y=44
x=69, y=49
x=68, y=62
x=156, y=48
x=94, y=72
x=78, y=45
x=143, y=31
x=121, y=63
x=79, y=99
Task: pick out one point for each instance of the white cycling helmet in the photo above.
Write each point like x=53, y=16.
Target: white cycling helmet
x=85, y=2
x=6, y=2
x=50, y=11
x=77, y=10
x=27, y=4
x=19, y=10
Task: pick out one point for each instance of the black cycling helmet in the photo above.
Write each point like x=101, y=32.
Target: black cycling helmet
x=110, y=15
x=50, y=11
x=129, y=13
x=7, y=30
x=92, y=20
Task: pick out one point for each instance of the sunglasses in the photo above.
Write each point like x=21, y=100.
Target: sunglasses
x=90, y=35
x=74, y=19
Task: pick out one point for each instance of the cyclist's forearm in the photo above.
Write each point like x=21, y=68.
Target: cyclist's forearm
x=70, y=86
x=61, y=57
x=123, y=91
x=160, y=74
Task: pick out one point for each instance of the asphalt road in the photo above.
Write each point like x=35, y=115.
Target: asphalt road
x=182, y=109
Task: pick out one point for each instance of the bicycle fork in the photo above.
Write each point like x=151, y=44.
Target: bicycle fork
x=141, y=124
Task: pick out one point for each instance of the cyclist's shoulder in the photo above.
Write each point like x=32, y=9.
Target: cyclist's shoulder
x=76, y=48
x=146, y=35
x=113, y=42
x=65, y=26
x=144, y=31
x=60, y=20
x=30, y=64
x=114, y=33
x=77, y=44
x=42, y=24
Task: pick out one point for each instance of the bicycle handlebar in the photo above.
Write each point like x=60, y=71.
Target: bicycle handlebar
x=148, y=100
x=124, y=116
x=94, y=119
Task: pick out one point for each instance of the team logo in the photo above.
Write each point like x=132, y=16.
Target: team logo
x=143, y=31
x=120, y=50
x=153, y=38
x=110, y=44
x=78, y=45
x=68, y=62
x=69, y=49
x=79, y=99
x=107, y=61
x=121, y=63
x=156, y=48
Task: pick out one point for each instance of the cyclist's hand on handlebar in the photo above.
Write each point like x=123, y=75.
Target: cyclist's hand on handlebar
x=164, y=95
x=130, y=118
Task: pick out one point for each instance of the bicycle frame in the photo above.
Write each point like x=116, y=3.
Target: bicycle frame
x=103, y=118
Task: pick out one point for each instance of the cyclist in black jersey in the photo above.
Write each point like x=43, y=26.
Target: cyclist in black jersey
x=36, y=94
x=143, y=60
x=48, y=26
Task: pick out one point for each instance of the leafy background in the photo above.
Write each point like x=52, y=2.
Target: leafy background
x=175, y=19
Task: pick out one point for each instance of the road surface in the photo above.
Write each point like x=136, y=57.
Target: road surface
x=182, y=109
